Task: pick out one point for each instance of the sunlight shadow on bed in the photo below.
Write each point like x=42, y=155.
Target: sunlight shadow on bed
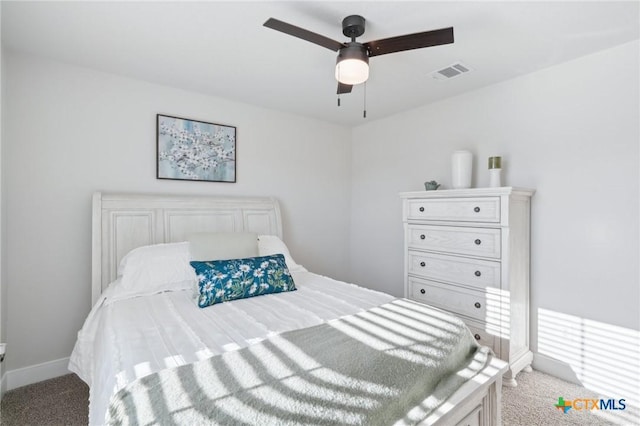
x=142, y=369
x=275, y=381
x=470, y=374
x=399, y=360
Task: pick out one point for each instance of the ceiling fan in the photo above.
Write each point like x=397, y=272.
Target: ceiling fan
x=352, y=64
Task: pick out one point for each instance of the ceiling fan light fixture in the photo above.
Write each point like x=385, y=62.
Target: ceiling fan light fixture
x=352, y=65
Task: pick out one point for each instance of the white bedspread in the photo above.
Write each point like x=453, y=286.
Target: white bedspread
x=129, y=339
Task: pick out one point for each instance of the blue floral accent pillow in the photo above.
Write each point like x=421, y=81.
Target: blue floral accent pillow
x=223, y=280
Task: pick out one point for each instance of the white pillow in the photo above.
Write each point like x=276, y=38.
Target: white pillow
x=270, y=244
x=154, y=269
x=223, y=245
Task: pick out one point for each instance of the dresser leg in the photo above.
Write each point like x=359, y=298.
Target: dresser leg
x=509, y=379
x=509, y=382
x=527, y=369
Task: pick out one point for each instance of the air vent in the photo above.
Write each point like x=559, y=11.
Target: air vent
x=452, y=71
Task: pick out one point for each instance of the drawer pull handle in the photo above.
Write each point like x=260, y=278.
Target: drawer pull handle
x=422, y=236
x=478, y=273
x=478, y=242
x=422, y=291
x=476, y=209
x=423, y=264
x=477, y=305
x=421, y=209
x=476, y=336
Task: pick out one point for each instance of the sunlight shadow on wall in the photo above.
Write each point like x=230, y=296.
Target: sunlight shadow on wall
x=604, y=357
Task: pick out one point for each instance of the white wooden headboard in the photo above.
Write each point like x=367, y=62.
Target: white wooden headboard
x=122, y=222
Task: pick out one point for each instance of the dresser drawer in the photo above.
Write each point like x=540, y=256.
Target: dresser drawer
x=451, y=298
x=471, y=272
x=483, y=337
x=484, y=242
x=485, y=209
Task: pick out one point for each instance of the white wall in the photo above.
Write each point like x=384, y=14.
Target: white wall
x=71, y=131
x=571, y=132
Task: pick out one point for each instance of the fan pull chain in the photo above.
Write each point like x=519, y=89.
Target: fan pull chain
x=338, y=86
x=364, y=112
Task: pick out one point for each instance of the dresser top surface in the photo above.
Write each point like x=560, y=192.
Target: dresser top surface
x=470, y=192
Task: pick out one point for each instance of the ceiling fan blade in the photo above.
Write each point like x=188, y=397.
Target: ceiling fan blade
x=344, y=88
x=410, y=41
x=303, y=34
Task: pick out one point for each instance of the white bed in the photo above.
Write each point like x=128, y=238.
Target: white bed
x=127, y=339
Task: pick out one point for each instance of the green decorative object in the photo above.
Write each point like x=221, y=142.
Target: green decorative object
x=431, y=185
x=495, y=162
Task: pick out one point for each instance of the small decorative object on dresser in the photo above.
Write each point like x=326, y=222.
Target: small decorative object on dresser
x=495, y=169
x=461, y=168
x=431, y=185
x=467, y=251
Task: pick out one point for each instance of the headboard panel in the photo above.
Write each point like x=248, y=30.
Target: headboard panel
x=122, y=222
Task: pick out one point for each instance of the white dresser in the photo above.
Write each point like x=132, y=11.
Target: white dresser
x=467, y=251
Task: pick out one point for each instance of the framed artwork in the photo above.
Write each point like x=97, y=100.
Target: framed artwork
x=195, y=150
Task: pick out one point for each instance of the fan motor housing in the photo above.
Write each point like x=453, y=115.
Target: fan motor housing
x=353, y=26
x=353, y=50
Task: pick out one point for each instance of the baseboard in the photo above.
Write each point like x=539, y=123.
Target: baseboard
x=554, y=367
x=3, y=385
x=35, y=373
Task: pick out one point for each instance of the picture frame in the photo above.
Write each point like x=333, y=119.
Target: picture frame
x=195, y=150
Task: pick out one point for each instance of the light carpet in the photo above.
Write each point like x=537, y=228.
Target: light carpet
x=532, y=403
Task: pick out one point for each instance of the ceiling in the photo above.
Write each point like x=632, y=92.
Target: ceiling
x=222, y=49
